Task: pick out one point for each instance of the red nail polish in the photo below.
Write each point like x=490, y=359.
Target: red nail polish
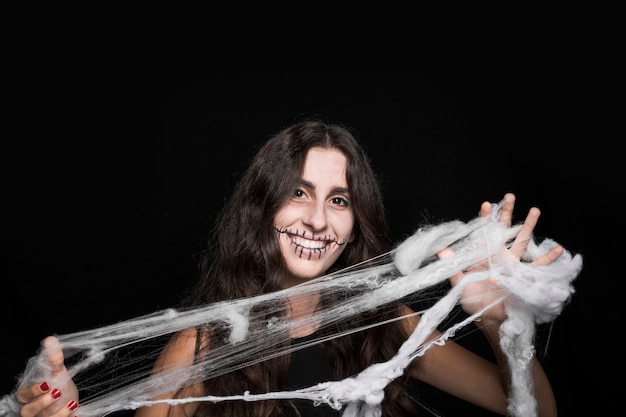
x=72, y=405
x=44, y=386
x=55, y=393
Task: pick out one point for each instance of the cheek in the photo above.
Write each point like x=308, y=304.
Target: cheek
x=344, y=226
x=284, y=216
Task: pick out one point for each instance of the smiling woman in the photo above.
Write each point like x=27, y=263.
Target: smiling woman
x=317, y=221
x=300, y=258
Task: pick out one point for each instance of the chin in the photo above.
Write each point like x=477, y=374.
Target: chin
x=306, y=277
x=305, y=274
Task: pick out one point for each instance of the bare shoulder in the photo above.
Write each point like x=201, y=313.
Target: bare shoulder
x=180, y=349
x=410, y=319
x=179, y=353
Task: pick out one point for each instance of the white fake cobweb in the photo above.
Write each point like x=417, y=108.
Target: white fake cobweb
x=111, y=364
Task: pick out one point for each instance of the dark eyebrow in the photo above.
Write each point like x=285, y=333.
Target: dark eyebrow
x=339, y=190
x=307, y=184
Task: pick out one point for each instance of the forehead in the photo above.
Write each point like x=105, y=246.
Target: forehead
x=325, y=165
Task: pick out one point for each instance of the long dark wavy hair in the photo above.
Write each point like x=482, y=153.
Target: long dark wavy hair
x=243, y=259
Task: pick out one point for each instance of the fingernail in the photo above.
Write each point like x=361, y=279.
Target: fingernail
x=44, y=386
x=72, y=405
x=55, y=393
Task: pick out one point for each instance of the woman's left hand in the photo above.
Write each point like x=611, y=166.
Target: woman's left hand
x=480, y=294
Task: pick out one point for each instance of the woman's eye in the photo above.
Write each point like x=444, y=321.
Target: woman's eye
x=299, y=193
x=340, y=201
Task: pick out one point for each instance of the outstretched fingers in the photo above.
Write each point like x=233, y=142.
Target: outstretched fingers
x=549, y=257
x=485, y=209
x=520, y=244
x=506, y=213
x=525, y=233
x=508, y=204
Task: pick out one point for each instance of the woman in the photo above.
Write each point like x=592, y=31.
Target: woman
x=308, y=205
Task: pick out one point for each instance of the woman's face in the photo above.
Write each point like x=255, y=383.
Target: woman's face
x=316, y=223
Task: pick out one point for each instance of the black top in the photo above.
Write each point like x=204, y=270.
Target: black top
x=309, y=366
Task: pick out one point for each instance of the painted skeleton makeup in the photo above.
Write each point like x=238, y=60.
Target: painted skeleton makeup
x=304, y=242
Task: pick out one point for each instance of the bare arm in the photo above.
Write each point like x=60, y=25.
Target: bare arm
x=468, y=376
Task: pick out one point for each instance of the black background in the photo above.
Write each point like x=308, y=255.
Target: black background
x=113, y=177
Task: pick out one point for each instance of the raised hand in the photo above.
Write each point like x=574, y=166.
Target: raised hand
x=480, y=294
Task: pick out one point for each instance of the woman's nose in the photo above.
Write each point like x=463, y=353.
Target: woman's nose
x=315, y=216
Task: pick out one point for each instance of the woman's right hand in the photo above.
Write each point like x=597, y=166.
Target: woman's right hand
x=57, y=397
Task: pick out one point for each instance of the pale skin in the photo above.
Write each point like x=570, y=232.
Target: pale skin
x=315, y=226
